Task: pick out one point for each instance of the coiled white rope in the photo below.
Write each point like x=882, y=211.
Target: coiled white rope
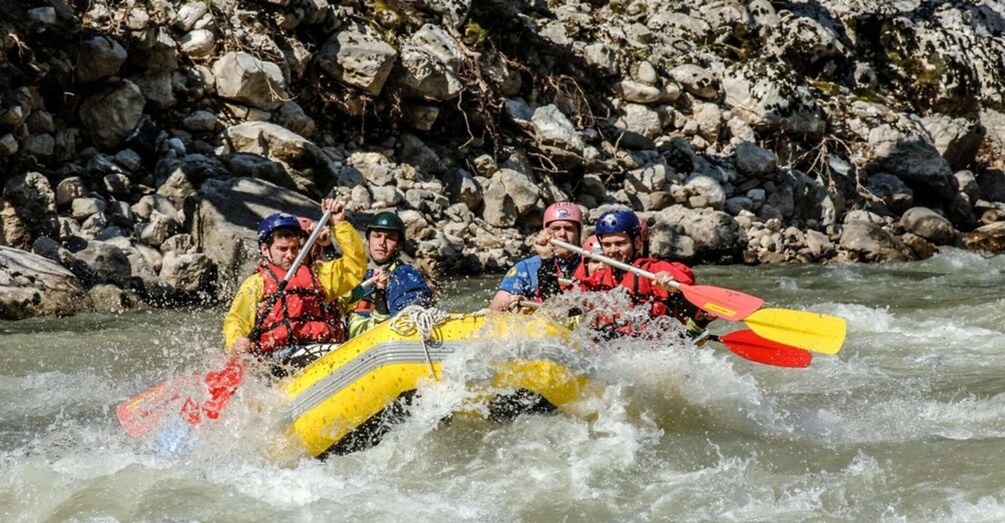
x=416, y=318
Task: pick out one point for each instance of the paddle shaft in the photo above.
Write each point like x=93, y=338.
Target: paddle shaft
x=323, y=222
x=609, y=261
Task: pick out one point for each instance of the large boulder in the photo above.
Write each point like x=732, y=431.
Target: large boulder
x=242, y=78
x=770, y=97
x=931, y=226
x=31, y=285
x=34, y=202
x=299, y=155
x=359, y=59
x=990, y=238
x=99, y=57
x=111, y=115
x=227, y=216
x=872, y=243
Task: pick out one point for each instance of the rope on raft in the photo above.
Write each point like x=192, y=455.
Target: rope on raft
x=422, y=320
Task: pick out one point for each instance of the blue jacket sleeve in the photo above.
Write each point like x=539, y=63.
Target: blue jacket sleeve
x=407, y=287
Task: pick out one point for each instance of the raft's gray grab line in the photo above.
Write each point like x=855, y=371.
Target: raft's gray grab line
x=405, y=351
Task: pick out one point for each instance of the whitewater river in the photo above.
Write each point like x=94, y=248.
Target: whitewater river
x=906, y=423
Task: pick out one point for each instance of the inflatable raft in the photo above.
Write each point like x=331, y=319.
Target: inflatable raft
x=350, y=397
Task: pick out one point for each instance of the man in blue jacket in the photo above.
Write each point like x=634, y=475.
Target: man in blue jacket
x=562, y=220
x=389, y=284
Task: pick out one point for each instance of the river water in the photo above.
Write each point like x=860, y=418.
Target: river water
x=906, y=423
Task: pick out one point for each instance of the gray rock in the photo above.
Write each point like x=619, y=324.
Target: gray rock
x=754, y=160
x=769, y=97
x=99, y=57
x=552, y=127
x=35, y=203
x=190, y=275
x=462, y=188
x=872, y=243
x=198, y=44
x=158, y=229
x=242, y=78
x=358, y=59
x=227, y=216
x=107, y=263
x=956, y=139
x=897, y=196
x=499, y=209
x=291, y=116
x=819, y=244
x=911, y=159
x=109, y=298
x=31, y=285
x=715, y=233
x=696, y=80
x=426, y=76
x=297, y=153
x=111, y=115
x=435, y=41
x=924, y=222
x=8, y=145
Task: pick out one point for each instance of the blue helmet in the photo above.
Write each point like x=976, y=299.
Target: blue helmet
x=280, y=220
x=619, y=221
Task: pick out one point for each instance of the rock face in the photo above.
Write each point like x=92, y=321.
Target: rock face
x=140, y=147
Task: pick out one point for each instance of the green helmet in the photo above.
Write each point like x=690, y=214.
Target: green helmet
x=389, y=221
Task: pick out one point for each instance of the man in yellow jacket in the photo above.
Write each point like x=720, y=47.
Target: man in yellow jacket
x=266, y=317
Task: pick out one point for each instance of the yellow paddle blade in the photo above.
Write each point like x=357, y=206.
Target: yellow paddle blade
x=806, y=330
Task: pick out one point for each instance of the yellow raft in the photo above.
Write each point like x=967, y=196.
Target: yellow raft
x=347, y=400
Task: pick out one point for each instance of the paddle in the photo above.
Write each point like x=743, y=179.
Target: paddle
x=802, y=330
x=723, y=303
x=806, y=330
x=747, y=345
x=144, y=411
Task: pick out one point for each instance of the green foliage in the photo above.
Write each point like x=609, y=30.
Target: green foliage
x=474, y=34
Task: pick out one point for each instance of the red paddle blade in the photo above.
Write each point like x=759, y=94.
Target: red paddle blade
x=142, y=413
x=748, y=345
x=146, y=410
x=723, y=303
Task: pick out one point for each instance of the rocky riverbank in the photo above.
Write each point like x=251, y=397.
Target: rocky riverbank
x=143, y=140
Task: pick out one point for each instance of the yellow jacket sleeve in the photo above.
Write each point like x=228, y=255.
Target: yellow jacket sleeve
x=338, y=277
x=241, y=317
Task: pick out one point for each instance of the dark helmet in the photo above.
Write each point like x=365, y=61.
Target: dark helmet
x=280, y=220
x=387, y=221
x=619, y=221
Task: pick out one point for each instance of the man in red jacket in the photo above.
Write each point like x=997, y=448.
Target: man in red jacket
x=619, y=233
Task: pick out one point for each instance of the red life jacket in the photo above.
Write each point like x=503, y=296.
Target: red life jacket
x=643, y=292
x=297, y=315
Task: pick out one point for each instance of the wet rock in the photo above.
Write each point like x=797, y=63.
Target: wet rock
x=31, y=285
x=190, y=276
x=870, y=242
x=989, y=238
x=929, y=225
x=109, y=298
x=107, y=263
